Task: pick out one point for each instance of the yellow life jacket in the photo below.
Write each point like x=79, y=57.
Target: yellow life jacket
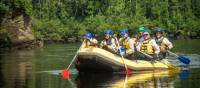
x=147, y=47
x=89, y=45
x=125, y=43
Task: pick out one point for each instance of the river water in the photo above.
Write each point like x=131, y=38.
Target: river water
x=40, y=68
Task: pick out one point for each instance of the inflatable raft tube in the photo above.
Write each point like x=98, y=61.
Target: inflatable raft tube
x=100, y=60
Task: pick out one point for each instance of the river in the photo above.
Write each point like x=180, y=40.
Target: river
x=40, y=68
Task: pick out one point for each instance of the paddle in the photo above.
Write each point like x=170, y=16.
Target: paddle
x=126, y=68
x=65, y=72
x=122, y=58
x=170, y=66
x=181, y=58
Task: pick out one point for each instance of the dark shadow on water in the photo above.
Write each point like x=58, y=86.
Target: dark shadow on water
x=139, y=80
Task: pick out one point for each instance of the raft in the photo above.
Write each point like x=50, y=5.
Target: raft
x=100, y=60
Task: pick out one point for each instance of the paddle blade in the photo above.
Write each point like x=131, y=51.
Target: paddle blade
x=65, y=73
x=183, y=59
x=173, y=67
x=127, y=71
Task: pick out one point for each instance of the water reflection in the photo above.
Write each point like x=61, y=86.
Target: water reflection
x=39, y=68
x=140, y=80
x=16, y=69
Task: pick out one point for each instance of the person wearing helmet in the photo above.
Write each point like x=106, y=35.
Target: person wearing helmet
x=140, y=37
x=149, y=45
x=108, y=42
x=127, y=43
x=162, y=42
x=89, y=41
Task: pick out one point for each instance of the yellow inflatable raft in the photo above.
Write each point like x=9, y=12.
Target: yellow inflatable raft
x=100, y=60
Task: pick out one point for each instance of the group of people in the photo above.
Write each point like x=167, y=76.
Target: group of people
x=156, y=46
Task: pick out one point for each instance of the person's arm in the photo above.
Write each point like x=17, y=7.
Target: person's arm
x=94, y=42
x=84, y=44
x=101, y=44
x=168, y=43
x=113, y=46
x=131, y=44
x=155, y=46
x=138, y=46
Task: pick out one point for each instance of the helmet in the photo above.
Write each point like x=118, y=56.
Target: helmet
x=124, y=31
x=108, y=31
x=88, y=35
x=145, y=31
x=141, y=28
x=159, y=30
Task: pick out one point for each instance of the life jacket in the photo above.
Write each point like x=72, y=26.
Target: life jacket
x=160, y=43
x=89, y=45
x=125, y=43
x=108, y=41
x=147, y=47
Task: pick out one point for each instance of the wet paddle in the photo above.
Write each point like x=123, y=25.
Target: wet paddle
x=181, y=58
x=122, y=58
x=170, y=66
x=65, y=72
x=126, y=68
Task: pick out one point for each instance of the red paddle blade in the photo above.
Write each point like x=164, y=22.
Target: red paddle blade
x=127, y=72
x=65, y=73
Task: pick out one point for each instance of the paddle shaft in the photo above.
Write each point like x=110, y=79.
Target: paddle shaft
x=172, y=53
x=149, y=56
x=122, y=57
x=75, y=55
x=170, y=66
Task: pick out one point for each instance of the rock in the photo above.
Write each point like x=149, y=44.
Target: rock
x=19, y=31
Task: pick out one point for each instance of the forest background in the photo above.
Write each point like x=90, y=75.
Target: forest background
x=68, y=20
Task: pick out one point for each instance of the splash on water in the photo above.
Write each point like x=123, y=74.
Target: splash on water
x=57, y=72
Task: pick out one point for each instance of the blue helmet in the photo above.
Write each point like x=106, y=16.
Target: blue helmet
x=159, y=30
x=145, y=30
x=88, y=35
x=108, y=31
x=124, y=31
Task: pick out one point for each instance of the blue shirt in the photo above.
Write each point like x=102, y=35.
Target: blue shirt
x=141, y=39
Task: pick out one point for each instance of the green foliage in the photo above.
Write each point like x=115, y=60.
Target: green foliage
x=3, y=8
x=70, y=19
x=49, y=30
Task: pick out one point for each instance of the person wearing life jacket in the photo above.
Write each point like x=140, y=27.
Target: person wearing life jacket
x=108, y=42
x=89, y=41
x=162, y=42
x=149, y=45
x=127, y=43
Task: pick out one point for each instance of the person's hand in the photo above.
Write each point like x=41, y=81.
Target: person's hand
x=163, y=48
x=104, y=47
x=104, y=43
x=167, y=48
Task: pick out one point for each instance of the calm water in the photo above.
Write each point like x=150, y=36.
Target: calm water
x=39, y=68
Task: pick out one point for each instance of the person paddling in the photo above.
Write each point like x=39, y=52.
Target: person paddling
x=162, y=42
x=149, y=45
x=89, y=41
x=108, y=42
x=127, y=43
